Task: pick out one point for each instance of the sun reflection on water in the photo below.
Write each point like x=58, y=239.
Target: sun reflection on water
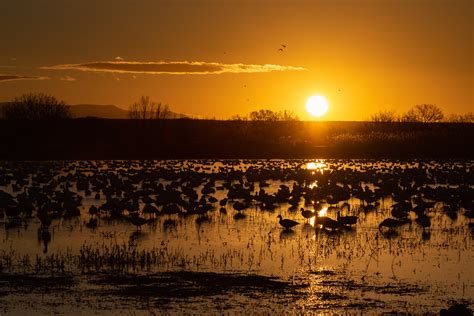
x=316, y=166
x=323, y=211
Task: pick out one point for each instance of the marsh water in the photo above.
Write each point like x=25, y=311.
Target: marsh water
x=202, y=236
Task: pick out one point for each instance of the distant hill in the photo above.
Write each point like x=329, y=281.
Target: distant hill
x=101, y=111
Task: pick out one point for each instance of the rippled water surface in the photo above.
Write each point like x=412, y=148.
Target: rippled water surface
x=203, y=236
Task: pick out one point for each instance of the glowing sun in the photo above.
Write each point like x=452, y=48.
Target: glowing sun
x=317, y=105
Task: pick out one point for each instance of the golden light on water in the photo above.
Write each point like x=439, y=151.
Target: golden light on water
x=323, y=211
x=316, y=165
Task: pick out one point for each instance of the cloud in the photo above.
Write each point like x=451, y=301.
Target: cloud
x=171, y=67
x=4, y=78
x=67, y=78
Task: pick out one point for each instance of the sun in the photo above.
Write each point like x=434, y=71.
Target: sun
x=317, y=105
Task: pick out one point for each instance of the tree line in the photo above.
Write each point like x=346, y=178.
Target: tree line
x=267, y=116
x=41, y=106
x=35, y=106
x=424, y=113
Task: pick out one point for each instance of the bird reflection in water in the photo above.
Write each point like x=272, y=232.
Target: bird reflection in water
x=286, y=234
x=390, y=234
x=44, y=236
x=136, y=236
x=426, y=235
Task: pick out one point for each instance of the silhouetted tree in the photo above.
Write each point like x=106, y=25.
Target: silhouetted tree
x=145, y=108
x=267, y=116
x=426, y=113
x=410, y=116
x=384, y=116
x=263, y=115
x=238, y=117
x=461, y=118
x=286, y=115
x=36, y=106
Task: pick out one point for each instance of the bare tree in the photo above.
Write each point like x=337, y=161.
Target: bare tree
x=384, y=116
x=36, y=106
x=238, y=117
x=410, y=116
x=461, y=118
x=267, y=116
x=145, y=108
x=426, y=113
x=263, y=115
x=162, y=111
x=286, y=115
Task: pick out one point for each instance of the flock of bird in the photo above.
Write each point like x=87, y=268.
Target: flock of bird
x=139, y=192
x=324, y=221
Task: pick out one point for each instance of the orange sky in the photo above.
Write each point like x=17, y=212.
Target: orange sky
x=362, y=55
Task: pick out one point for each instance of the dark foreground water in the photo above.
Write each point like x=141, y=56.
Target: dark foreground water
x=148, y=237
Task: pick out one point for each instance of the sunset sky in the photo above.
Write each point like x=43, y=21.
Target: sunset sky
x=219, y=58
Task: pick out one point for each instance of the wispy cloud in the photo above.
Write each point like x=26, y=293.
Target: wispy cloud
x=67, y=78
x=171, y=67
x=4, y=78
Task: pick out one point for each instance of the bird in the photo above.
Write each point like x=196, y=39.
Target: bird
x=332, y=224
x=469, y=214
x=424, y=221
x=44, y=218
x=93, y=210
x=391, y=223
x=346, y=220
x=92, y=223
x=283, y=45
x=327, y=222
x=322, y=220
x=287, y=223
x=137, y=220
x=307, y=213
x=223, y=202
x=280, y=49
x=317, y=207
x=239, y=206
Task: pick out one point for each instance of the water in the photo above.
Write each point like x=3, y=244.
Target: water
x=360, y=270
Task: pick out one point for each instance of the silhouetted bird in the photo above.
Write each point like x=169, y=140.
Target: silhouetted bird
x=307, y=213
x=137, y=220
x=424, y=221
x=346, y=220
x=391, y=223
x=287, y=223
